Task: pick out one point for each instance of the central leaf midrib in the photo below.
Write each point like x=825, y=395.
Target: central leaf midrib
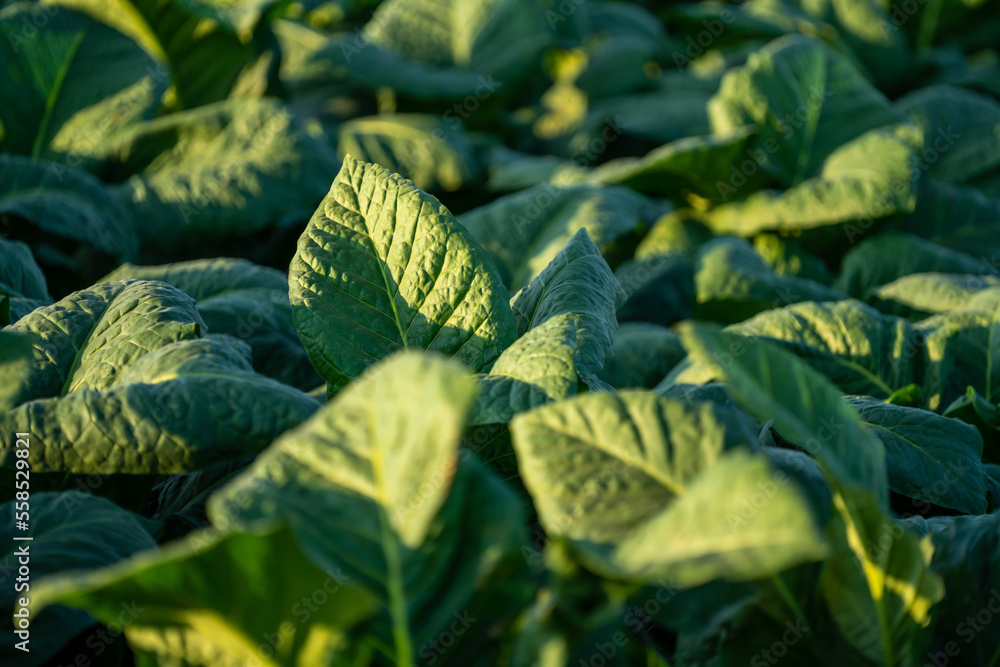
x=78, y=358
x=395, y=584
x=51, y=98
x=382, y=265
x=547, y=286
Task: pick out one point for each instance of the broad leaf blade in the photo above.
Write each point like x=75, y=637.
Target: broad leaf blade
x=383, y=266
x=376, y=484
x=928, y=457
x=578, y=282
x=806, y=408
x=626, y=479
x=190, y=602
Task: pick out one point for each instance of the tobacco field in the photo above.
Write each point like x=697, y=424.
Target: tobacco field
x=557, y=333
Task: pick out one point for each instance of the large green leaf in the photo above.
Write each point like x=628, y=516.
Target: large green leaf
x=220, y=171
x=205, y=45
x=524, y=232
x=242, y=299
x=955, y=216
x=807, y=410
x=181, y=407
x=961, y=131
x=579, y=282
x=539, y=367
x=806, y=99
x=733, y=282
x=69, y=65
x=854, y=346
x=877, y=582
x=931, y=458
x=383, y=266
x=961, y=348
x=234, y=598
x=501, y=38
x=920, y=295
x=645, y=487
x=425, y=149
x=884, y=258
x=376, y=485
x=695, y=164
x=347, y=58
x=120, y=383
x=966, y=556
x=90, y=338
x=869, y=178
x=70, y=532
x=866, y=29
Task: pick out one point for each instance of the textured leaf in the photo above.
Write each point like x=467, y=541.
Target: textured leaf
x=383, y=266
x=539, y=367
x=961, y=349
x=928, y=457
x=180, y=407
x=188, y=604
x=579, y=282
x=221, y=171
x=119, y=383
x=806, y=98
x=870, y=178
x=70, y=65
x=369, y=486
x=244, y=300
x=70, y=532
x=878, y=584
x=625, y=478
x=425, y=149
x=733, y=282
x=878, y=598
x=807, y=410
x=91, y=337
x=524, y=232
x=855, y=347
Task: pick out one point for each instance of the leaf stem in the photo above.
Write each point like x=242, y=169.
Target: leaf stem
x=789, y=599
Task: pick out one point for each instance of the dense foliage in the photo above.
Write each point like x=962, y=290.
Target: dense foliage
x=644, y=333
